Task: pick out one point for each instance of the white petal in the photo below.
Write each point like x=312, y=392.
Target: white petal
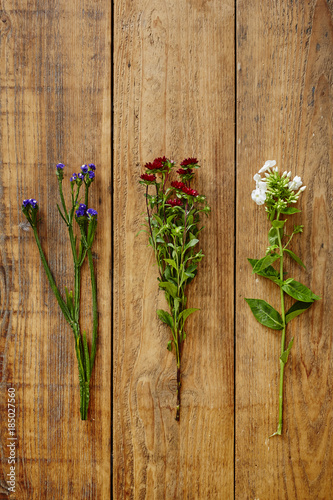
x=257, y=178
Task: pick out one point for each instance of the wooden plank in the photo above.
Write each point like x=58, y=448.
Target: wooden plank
x=284, y=97
x=54, y=106
x=173, y=95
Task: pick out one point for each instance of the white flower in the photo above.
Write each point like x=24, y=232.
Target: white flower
x=262, y=186
x=257, y=178
x=303, y=188
x=258, y=196
x=268, y=164
x=295, y=183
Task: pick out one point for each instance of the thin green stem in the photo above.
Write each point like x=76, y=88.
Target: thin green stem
x=62, y=198
x=283, y=338
x=61, y=302
x=94, y=305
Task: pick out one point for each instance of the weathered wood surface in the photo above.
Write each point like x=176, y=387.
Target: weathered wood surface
x=54, y=106
x=284, y=102
x=174, y=95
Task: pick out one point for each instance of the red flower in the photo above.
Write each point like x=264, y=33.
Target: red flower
x=158, y=164
x=177, y=185
x=182, y=171
x=175, y=203
x=189, y=191
x=148, y=177
x=189, y=161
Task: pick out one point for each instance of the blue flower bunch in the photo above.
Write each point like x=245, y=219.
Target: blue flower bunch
x=86, y=219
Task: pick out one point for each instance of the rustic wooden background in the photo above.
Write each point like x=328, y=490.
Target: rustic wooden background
x=233, y=83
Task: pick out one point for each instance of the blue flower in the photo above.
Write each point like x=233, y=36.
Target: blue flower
x=82, y=210
x=84, y=169
x=60, y=166
x=30, y=202
x=80, y=176
x=91, y=212
x=91, y=174
x=92, y=166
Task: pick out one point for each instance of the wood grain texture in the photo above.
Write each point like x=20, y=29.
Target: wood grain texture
x=54, y=106
x=173, y=95
x=284, y=97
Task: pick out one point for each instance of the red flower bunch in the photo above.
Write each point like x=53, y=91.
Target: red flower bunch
x=148, y=177
x=174, y=203
x=173, y=227
x=189, y=161
x=177, y=185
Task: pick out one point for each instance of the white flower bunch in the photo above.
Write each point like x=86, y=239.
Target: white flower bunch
x=279, y=194
x=276, y=190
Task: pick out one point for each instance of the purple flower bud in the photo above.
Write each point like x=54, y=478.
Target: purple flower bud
x=91, y=174
x=91, y=212
x=80, y=176
x=74, y=177
x=25, y=203
x=92, y=166
x=84, y=169
x=60, y=166
x=83, y=206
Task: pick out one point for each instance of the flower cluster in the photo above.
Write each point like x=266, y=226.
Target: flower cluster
x=182, y=171
x=189, y=161
x=276, y=190
x=148, y=178
x=158, y=165
x=176, y=202
x=178, y=185
x=31, y=202
x=82, y=211
x=87, y=173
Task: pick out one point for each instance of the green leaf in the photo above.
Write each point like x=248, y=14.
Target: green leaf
x=296, y=309
x=186, y=313
x=277, y=224
x=269, y=272
x=289, y=210
x=265, y=314
x=265, y=262
x=285, y=354
x=171, y=262
x=273, y=236
x=299, y=291
x=165, y=317
x=191, y=243
x=169, y=287
x=294, y=256
x=169, y=346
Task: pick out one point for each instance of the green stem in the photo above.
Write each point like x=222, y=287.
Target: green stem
x=178, y=355
x=54, y=287
x=94, y=305
x=62, y=198
x=283, y=338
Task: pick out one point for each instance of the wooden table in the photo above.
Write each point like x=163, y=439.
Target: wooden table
x=233, y=83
